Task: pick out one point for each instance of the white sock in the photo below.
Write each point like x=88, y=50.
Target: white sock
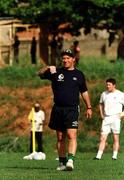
x=99, y=154
x=115, y=153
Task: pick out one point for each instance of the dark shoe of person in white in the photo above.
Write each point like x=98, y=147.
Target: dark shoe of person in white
x=95, y=158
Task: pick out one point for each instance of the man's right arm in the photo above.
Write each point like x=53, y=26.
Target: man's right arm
x=50, y=69
x=43, y=70
x=101, y=109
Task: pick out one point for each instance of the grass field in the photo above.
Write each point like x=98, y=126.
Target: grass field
x=13, y=167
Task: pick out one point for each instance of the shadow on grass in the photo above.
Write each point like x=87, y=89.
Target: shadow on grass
x=15, y=167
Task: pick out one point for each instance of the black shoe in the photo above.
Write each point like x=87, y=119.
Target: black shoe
x=114, y=159
x=95, y=158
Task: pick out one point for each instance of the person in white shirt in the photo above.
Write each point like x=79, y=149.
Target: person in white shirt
x=39, y=117
x=111, y=105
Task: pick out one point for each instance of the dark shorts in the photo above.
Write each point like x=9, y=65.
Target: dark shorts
x=63, y=118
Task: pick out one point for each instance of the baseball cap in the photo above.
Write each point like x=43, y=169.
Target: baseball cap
x=67, y=52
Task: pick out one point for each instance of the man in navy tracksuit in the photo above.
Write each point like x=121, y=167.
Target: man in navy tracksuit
x=67, y=83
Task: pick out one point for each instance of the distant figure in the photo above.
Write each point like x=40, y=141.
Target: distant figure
x=16, y=49
x=111, y=38
x=59, y=49
x=76, y=50
x=95, y=36
x=103, y=49
x=39, y=117
x=33, y=50
x=53, y=48
x=110, y=105
x=120, y=50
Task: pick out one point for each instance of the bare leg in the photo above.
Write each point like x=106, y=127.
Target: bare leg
x=102, y=144
x=61, y=143
x=72, y=146
x=61, y=147
x=72, y=141
x=115, y=145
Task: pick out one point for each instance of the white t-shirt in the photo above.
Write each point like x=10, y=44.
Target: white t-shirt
x=39, y=118
x=113, y=102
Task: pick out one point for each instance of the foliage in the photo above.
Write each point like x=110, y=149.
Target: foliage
x=101, y=68
x=6, y=7
x=17, y=76
x=108, y=2
x=13, y=148
x=94, y=69
x=112, y=12
x=14, y=144
x=79, y=13
x=50, y=14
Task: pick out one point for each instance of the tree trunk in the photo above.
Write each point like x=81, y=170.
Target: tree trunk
x=43, y=43
x=120, y=49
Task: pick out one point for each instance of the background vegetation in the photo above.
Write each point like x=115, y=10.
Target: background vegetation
x=13, y=147
x=50, y=14
x=96, y=71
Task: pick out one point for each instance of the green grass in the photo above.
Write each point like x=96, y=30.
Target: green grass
x=19, y=76
x=97, y=69
x=12, y=148
x=13, y=167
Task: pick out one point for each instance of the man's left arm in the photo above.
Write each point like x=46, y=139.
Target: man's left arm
x=86, y=99
x=42, y=118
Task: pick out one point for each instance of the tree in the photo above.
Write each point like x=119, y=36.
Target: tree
x=49, y=14
x=113, y=14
